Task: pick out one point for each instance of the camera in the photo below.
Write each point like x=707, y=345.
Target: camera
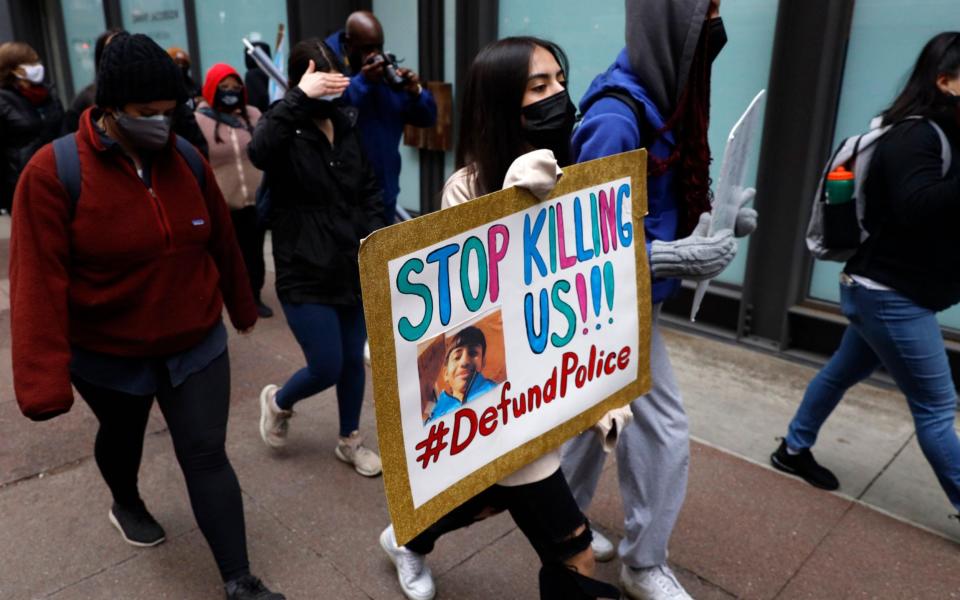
x=390, y=66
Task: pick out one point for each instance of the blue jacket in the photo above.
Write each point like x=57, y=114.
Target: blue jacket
x=609, y=127
x=446, y=403
x=383, y=113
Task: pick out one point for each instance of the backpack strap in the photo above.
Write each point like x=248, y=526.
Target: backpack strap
x=67, y=155
x=190, y=154
x=946, y=154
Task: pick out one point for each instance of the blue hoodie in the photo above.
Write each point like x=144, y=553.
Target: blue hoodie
x=383, y=113
x=610, y=127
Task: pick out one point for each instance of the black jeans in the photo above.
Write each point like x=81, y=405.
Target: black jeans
x=196, y=415
x=545, y=512
x=250, y=238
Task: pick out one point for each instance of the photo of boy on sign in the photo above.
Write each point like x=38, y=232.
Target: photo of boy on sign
x=460, y=366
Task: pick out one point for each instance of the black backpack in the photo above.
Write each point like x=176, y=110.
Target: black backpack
x=68, y=165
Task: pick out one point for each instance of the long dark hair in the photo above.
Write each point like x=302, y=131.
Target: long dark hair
x=490, y=131
x=921, y=96
x=691, y=121
x=309, y=49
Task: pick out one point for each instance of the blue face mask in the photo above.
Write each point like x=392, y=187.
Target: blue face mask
x=145, y=133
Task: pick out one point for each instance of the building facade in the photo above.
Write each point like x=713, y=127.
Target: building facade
x=828, y=67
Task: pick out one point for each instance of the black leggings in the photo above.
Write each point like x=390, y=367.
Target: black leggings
x=250, y=238
x=196, y=414
x=545, y=512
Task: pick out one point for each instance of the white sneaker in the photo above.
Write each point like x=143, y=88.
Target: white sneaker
x=414, y=575
x=653, y=583
x=352, y=451
x=274, y=421
x=603, y=548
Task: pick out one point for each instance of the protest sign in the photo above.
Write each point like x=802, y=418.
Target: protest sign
x=503, y=327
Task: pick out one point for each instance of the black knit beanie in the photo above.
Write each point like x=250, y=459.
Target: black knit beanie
x=134, y=68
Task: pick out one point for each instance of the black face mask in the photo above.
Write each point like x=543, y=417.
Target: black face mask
x=321, y=109
x=716, y=37
x=228, y=99
x=549, y=123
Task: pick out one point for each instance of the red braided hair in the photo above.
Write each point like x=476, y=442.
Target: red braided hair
x=691, y=121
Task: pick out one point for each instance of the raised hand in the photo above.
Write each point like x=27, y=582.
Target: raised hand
x=317, y=84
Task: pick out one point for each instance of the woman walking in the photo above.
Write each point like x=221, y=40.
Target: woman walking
x=227, y=122
x=325, y=199
x=516, y=124
x=902, y=275
x=122, y=258
x=30, y=115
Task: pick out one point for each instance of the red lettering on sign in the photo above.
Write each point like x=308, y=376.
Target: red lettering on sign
x=471, y=417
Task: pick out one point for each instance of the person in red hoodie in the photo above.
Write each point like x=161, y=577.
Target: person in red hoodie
x=227, y=121
x=120, y=290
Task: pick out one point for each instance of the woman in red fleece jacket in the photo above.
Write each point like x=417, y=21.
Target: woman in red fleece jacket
x=121, y=293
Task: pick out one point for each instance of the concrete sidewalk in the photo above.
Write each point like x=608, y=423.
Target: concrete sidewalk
x=746, y=531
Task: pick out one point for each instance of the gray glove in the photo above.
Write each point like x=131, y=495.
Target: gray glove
x=746, y=217
x=696, y=257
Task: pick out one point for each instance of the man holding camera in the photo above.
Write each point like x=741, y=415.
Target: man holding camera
x=387, y=96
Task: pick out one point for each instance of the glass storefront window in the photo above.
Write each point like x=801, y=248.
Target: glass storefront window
x=593, y=34
x=222, y=25
x=400, y=31
x=884, y=44
x=162, y=20
x=83, y=21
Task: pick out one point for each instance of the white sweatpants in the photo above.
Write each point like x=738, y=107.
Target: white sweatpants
x=653, y=458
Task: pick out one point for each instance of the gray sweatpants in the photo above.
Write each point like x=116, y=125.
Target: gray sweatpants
x=653, y=457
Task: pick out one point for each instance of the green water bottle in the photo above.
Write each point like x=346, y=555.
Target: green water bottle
x=840, y=186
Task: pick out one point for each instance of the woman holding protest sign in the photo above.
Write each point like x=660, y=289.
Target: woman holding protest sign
x=325, y=199
x=520, y=118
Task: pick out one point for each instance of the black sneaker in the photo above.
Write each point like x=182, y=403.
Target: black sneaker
x=249, y=587
x=804, y=466
x=137, y=525
x=264, y=311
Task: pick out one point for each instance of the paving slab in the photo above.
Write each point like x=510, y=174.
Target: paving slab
x=747, y=529
x=870, y=555
x=182, y=568
x=741, y=400
x=59, y=522
x=908, y=488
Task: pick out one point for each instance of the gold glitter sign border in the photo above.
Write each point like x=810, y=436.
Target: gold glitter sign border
x=404, y=238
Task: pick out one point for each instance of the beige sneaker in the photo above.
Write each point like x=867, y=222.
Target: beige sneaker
x=352, y=451
x=274, y=422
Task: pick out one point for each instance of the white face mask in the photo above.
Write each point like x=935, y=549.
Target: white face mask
x=33, y=73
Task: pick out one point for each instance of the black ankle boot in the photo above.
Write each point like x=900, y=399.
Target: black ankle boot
x=558, y=582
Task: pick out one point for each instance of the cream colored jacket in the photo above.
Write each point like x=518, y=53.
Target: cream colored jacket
x=537, y=172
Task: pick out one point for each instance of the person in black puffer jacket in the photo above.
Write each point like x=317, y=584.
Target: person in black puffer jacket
x=30, y=114
x=325, y=199
x=901, y=276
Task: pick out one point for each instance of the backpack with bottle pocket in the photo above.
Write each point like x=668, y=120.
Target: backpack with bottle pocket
x=836, y=226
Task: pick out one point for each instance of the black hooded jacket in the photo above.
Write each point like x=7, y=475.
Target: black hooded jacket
x=324, y=199
x=24, y=128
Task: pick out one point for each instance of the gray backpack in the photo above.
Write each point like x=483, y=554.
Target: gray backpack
x=855, y=153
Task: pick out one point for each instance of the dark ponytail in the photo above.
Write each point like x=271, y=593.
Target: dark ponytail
x=921, y=96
